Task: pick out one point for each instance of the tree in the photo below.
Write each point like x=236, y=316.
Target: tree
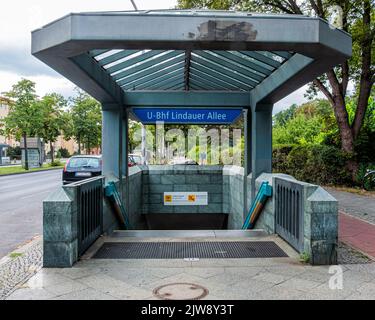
x=84, y=122
x=24, y=118
x=63, y=153
x=51, y=106
x=358, y=19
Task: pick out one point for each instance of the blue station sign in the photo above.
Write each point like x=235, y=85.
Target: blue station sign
x=186, y=115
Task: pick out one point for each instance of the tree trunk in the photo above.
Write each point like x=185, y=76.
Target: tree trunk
x=365, y=83
x=26, y=154
x=52, y=152
x=79, y=145
x=346, y=135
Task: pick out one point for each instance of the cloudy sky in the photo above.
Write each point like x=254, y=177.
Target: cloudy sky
x=19, y=17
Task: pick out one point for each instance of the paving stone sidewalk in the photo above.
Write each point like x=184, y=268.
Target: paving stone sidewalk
x=357, y=233
x=356, y=220
x=20, y=266
x=224, y=279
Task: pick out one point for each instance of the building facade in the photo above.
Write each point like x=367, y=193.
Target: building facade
x=4, y=110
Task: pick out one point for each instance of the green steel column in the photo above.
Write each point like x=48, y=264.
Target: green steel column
x=125, y=120
x=247, y=156
x=110, y=141
x=261, y=151
x=121, y=151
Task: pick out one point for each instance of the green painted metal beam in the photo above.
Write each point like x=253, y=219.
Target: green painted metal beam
x=146, y=64
x=132, y=61
x=194, y=86
x=186, y=98
x=169, y=84
x=116, y=56
x=159, y=79
x=144, y=73
x=262, y=58
x=206, y=84
x=177, y=83
x=236, y=58
x=153, y=76
x=238, y=72
x=284, y=54
x=90, y=66
x=210, y=78
x=177, y=87
x=243, y=70
x=280, y=77
x=202, y=66
x=95, y=53
x=187, y=68
x=160, y=85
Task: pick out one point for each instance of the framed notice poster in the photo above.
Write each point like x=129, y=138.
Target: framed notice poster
x=185, y=198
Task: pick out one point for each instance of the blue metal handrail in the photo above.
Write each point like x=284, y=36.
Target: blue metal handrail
x=265, y=191
x=112, y=194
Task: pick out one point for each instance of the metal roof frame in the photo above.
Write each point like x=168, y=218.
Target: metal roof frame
x=116, y=56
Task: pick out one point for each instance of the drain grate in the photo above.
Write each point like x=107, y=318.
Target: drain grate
x=181, y=250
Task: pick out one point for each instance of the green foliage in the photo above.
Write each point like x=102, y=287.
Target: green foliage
x=280, y=157
x=357, y=17
x=304, y=257
x=281, y=118
x=52, y=108
x=368, y=183
x=63, y=153
x=307, y=124
x=320, y=164
x=83, y=122
x=15, y=255
x=206, y=4
x=14, y=153
x=24, y=116
x=307, y=143
x=56, y=163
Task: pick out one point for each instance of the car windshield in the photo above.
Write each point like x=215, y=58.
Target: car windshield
x=84, y=162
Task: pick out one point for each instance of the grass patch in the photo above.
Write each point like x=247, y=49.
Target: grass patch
x=19, y=169
x=304, y=257
x=15, y=255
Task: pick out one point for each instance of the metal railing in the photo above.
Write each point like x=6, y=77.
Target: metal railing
x=289, y=212
x=90, y=212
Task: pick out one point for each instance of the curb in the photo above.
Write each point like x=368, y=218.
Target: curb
x=16, y=271
x=36, y=171
x=22, y=248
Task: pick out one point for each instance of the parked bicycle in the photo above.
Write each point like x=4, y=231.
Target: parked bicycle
x=368, y=182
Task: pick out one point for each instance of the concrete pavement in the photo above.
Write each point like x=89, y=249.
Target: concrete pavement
x=217, y=279
x=356, y=205
x=21, y=199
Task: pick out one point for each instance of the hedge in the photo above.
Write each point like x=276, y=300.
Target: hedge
x=320, y=164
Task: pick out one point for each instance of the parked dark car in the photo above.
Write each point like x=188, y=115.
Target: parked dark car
x=82, y=167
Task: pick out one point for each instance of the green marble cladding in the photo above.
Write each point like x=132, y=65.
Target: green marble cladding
x=181, y=178
x=225, y=195
x=60, y=244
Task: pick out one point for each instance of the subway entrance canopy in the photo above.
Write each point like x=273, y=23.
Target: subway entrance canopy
x=190, y=59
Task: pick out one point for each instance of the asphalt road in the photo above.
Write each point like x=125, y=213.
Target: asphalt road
x=21, y=198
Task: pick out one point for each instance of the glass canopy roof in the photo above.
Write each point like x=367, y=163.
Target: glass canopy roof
x=200, y=70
